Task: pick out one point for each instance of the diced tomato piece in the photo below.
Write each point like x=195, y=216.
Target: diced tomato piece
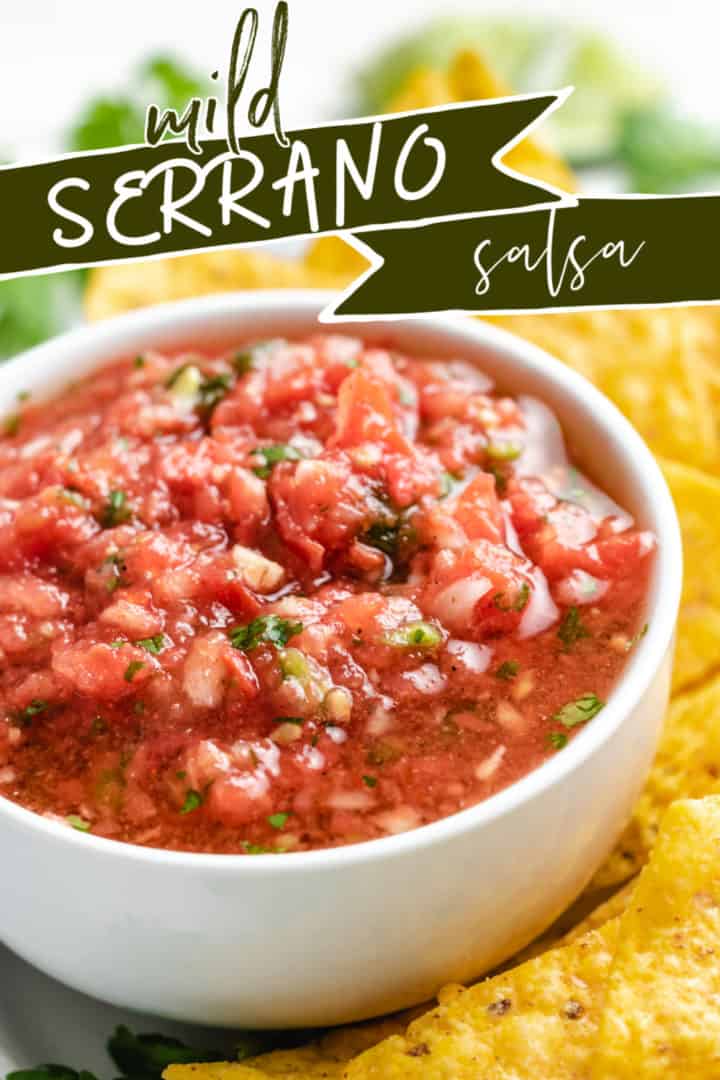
x=478, y=510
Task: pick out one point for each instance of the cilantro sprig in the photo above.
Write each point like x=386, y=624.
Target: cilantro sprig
x=265, y=628
x=154, y=644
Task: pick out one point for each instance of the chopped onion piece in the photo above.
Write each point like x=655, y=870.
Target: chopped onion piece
x=579, y=587
x=427, y=679
x=454, y=606
x=351, y=800
x=402, y=819
x=540, y=611
x=338, y=704
x=476, y=658
x=261, y=574
x=491, y=764
x=509, y=717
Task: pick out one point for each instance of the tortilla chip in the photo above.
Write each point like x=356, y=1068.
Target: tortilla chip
x=653, y=364
x=423, y=89
x=661, y=1016
x=687, y=765
x=538, y=1020
x=120, y=287
x=298, y=1064
x=471, y=79
x=332, y=256
x=697, y=499
x=334, y=1049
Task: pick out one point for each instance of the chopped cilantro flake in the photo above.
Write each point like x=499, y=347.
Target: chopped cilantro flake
x=36, y=706
x=116, y=510
x=417, y=635
x=271, y=455
x=154, y=644
x=383, y=535
x=270, y=628
x=508, y=669
x=78, y=823
x=638, y=637
x=212, y=390
x=557, y=740
x=580, y=711
x=193, y=799
x=571, y=629
x=132, y=669
x=370, y=781
x=243, y=362
x=278, y=820
x=257, y=849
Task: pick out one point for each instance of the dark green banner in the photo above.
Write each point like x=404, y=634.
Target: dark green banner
x=151, y=200
x=629, y=251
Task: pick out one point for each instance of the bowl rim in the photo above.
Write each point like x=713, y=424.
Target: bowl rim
x=662, y=601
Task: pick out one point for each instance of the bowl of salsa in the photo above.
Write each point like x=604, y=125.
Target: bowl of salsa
x=317, y=641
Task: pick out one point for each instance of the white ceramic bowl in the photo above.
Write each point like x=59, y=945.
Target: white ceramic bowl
x=329, y=936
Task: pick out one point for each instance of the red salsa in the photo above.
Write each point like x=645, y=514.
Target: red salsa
x=298, y=595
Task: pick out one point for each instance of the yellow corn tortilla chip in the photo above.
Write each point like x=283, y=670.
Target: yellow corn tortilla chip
x=687, y=765
x=472, y=79
x=638, y=998
x=538, y=1020
x=469, y=78
x=661, y=1016
x=697, y=500
x=424, y=88
x=654, y=365
x=123, y=286
x=332, y=256
x=305, y=1063
x=328, y=1055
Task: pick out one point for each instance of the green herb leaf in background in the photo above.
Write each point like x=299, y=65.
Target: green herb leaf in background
x=35, y=308
x=144, y=1057
x=50, y=1072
